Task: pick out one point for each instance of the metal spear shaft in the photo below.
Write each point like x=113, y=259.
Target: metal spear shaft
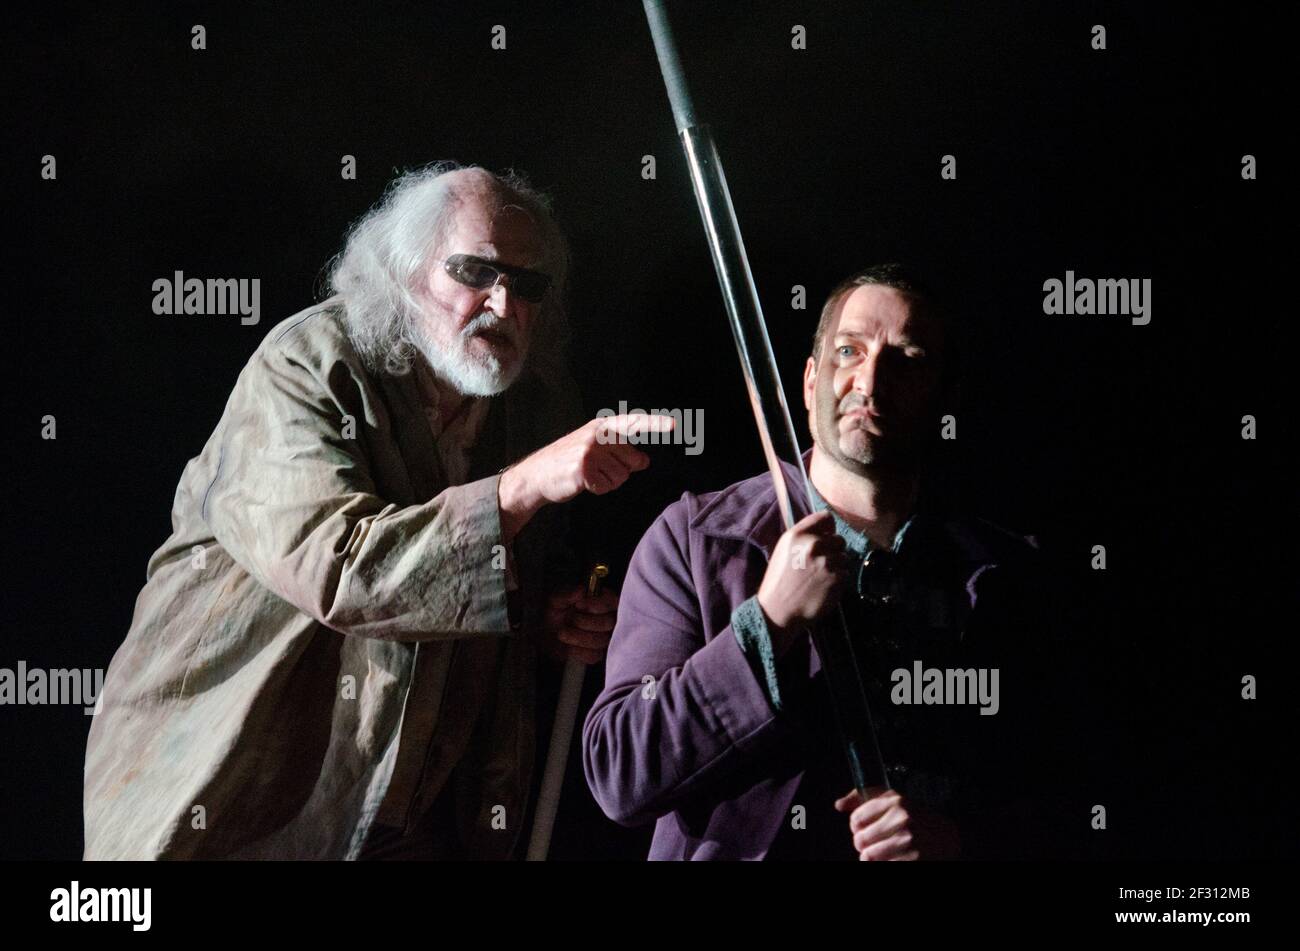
x=766, y=395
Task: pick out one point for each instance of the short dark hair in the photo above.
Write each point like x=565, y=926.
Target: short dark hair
x=898, y=276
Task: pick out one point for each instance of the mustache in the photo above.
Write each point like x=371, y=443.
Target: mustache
x=857, y=401
x=485, y=320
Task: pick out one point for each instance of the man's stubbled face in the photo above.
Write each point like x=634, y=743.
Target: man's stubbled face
x=871, y=392
x=478, y=340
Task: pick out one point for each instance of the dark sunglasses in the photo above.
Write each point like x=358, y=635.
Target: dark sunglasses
x=478, y=274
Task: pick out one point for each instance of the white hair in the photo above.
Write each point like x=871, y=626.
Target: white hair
x=388, y=252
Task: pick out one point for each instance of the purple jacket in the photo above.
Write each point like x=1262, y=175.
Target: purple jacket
x=679, y=732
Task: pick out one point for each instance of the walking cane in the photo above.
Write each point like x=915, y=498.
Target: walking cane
x=557, y=755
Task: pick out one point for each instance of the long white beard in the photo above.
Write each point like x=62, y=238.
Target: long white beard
x=472, y=372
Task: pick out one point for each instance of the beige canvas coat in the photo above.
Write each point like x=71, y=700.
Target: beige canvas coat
x=255, y=707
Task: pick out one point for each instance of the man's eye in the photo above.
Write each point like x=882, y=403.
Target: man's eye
x=844, y=347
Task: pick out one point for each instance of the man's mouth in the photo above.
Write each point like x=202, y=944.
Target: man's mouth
x=864, y=419
x=495, y=338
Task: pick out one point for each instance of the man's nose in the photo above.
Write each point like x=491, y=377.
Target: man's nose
x=865, y=375
x=500, y=300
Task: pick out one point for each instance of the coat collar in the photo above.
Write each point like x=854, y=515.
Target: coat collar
x=747, y=511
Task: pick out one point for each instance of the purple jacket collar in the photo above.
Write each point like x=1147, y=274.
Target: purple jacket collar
x=747, y=511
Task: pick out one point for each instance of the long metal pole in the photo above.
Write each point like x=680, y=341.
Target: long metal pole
x=766, y=395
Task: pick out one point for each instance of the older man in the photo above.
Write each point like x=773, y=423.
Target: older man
x=714, y=722
x=334, y=653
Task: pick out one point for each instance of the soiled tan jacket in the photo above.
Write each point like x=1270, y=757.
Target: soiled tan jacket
x=256, y=705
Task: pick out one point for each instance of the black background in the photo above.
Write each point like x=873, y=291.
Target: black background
x=1082, y=430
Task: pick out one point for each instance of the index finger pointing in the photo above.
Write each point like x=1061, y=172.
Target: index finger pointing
x=637, y=423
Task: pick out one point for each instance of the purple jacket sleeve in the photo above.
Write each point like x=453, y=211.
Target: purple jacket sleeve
x=677, y=712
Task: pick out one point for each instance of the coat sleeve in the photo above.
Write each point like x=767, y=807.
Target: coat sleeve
x=677, y=714
x=293, y=502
